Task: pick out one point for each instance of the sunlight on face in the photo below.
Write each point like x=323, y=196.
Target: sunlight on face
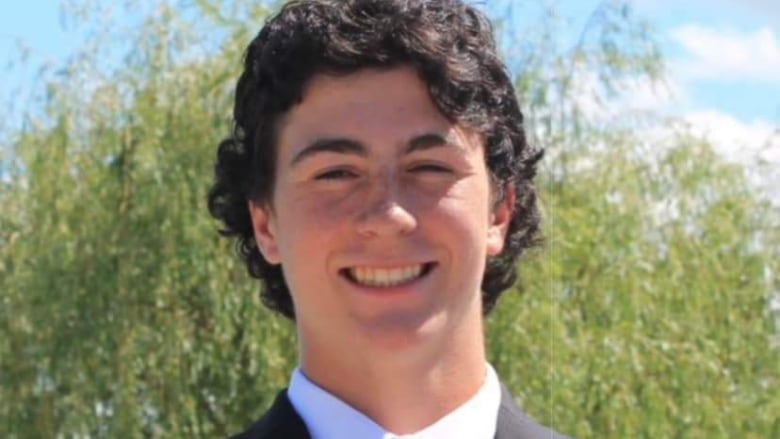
x=380, y=214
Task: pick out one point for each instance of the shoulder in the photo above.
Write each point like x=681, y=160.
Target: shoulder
x=280, y=422
x=514, y=424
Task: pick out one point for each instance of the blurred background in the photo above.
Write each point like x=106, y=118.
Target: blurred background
x=651, y=311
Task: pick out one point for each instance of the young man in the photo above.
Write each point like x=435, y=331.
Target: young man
x=379, y=184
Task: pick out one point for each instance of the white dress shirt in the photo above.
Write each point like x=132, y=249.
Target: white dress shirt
x=328, y=417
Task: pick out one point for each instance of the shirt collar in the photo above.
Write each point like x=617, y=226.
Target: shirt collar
x=327, y=417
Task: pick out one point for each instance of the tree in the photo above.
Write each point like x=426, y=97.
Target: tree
x=124, y=315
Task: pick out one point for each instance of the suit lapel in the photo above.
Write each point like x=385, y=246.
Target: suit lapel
x=514, y=424
x=281, y=421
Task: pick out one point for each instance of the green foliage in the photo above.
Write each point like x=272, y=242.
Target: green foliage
x=646, y=313
x=123, y=313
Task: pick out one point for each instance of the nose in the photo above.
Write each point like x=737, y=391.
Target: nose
x=384, y=214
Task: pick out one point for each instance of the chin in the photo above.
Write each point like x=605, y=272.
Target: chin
x=402, y=331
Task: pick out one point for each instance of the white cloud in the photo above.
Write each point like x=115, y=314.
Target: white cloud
x=735, y=139
x=635, y=98
x=642, y=94
x=727, y=55
x=754, y=144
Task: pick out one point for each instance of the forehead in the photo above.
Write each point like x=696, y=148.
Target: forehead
x=371, y=106
x=382, y=89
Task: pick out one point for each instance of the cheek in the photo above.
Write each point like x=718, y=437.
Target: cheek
x=308, y=223
x=464, y=227
x=468, y=203
x=461, y=215
x=329, y=211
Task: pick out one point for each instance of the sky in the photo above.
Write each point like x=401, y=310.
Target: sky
x=724, y=64
x=723, y=59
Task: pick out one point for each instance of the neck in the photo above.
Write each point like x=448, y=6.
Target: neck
x=407, y=390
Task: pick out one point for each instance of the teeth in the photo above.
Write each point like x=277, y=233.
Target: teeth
x=385, y=277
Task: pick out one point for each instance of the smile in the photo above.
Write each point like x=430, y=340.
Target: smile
x=387, y=277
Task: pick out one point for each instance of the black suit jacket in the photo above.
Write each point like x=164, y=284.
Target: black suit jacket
x=281, y=421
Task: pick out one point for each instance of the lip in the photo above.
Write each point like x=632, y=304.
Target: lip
x=427, y=269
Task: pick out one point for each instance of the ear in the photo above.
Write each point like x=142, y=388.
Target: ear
x=500, y=217
x=264, y=226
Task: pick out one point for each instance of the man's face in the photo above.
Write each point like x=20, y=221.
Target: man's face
x=381, y=214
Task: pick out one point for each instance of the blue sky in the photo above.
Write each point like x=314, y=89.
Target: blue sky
x=726, y=53
x=723, y=57
x=724, y=66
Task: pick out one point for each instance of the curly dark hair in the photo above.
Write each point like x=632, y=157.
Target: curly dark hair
x=452, y=48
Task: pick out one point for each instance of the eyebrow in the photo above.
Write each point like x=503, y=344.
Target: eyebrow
x=342, y=146
x=427, y=141
x=349, y=146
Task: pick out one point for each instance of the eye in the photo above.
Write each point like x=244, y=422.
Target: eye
x=430, y=167
x=336, y=174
